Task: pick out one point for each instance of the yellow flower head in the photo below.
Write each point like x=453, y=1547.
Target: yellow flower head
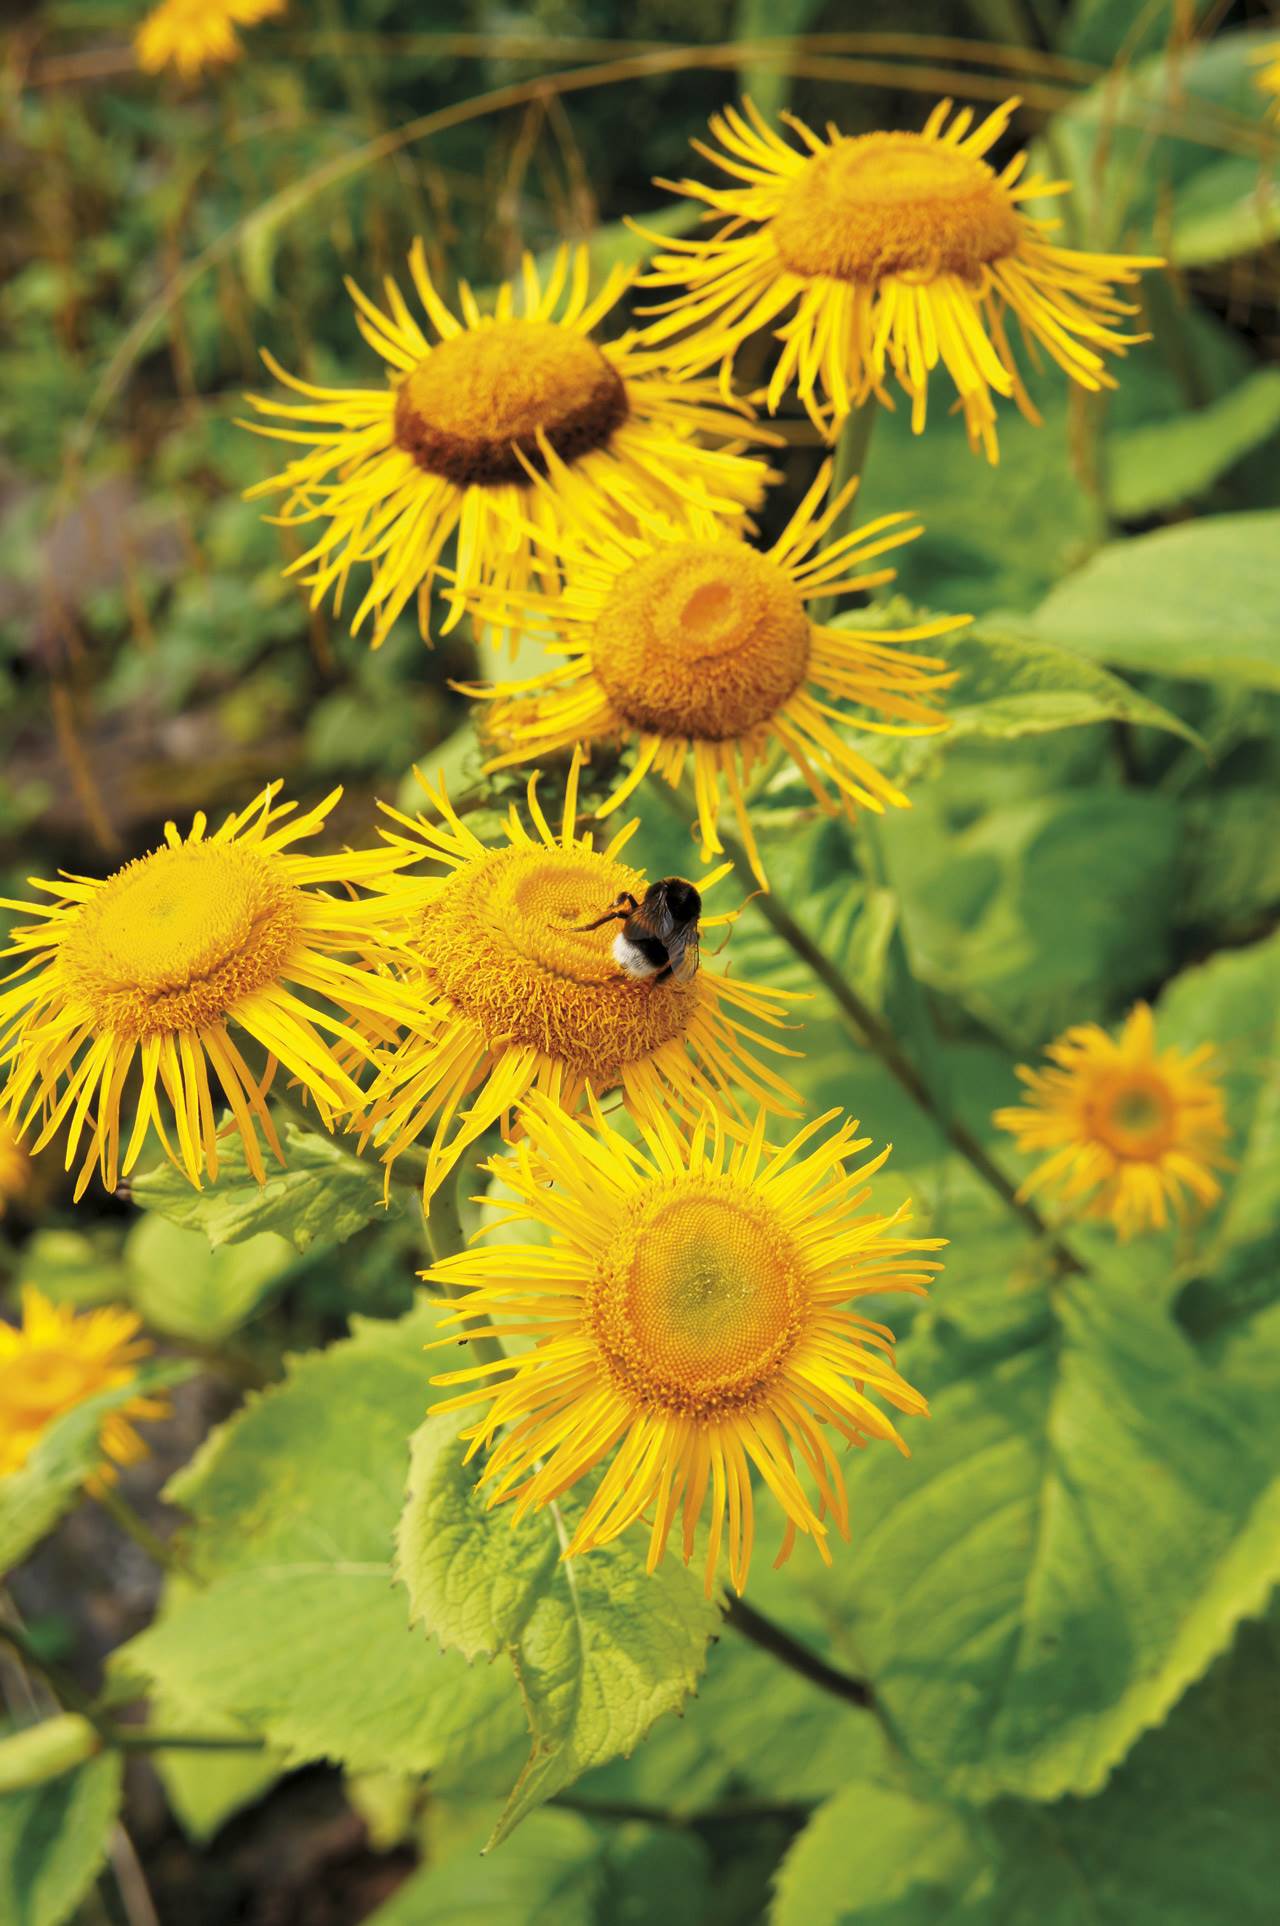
x=515, y=995
x=145, y=972
x=691, y=1310
x=190, y=35
x=1130, y=1128
x=698, y=649
x=889, y=252
x=473, y=411
x=55, y=1359
x=1269, y=78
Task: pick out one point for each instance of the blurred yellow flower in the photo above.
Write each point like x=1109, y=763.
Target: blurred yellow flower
x=143, y=972
x=190, y=35
x=15, y=1168
x=514, y=995
x=691, y=1309
x=55, y=1359
x=890, y=252
x=1130, y=1128
x=472, y=414
x=700, y=651
x=1269, y=78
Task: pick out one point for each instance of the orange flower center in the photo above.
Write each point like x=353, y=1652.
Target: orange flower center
x=502, y=942
x=701, y=1301
x=702, y=639
x=174, y=940
x=886, y=204
x=477, y=399
x=1135, y=1115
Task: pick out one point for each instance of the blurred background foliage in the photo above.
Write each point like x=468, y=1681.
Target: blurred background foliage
x=1119, y=1447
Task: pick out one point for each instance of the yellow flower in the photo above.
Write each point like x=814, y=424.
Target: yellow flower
x=55, y=1359
x=1130, y=1128
x=699, y=650
x=1269, y=78
x=193, y=34
x=514, y=995
x=448, y=449
x=894, y=251
x=15, y=1168
x=143, y=972
x=691, y=1309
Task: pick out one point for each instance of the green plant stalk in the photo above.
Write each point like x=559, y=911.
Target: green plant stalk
x=873, y=1033
x=850, y=463
x=779, y=1644
x=156, y=1548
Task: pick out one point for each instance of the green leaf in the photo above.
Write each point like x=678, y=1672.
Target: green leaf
x=1010, y=686
x=35, y=1497
x=73, y=1267
x=1231, y=1002
x=299, y=1633
x=187, y=1290
x=1157, y=602
x=995, y=916
x=561, y=1871
x=877, y=1855
x=600, y=1647
x=53, y=1840
x=1184, y=1834
x=205, y=1789
x=1164, y=464
x=325, y=1195
x=1100, y=30
x=1019, y=1626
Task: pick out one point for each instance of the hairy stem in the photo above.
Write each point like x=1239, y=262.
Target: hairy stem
x=788, y=1651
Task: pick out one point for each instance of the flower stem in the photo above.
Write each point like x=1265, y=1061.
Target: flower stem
x=874, y=1033
x=788, y=1651
x=850, y=461
x=134, y=1527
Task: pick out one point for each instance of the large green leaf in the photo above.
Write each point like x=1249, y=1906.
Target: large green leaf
x=34, y=1498
x=188, y=1290
x=1010, y=686
x=1232, y=1002
x=995, y=915
x=600, y=1647
x=298, y=1631
x=1166, y=463
x=53, y=1840
x=561, y=1871
x=1088, y=1516
x=325, y=1194
x=1198, y=600
x=1184, y=1834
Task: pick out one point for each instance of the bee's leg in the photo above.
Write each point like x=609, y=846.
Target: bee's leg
x=625, y=906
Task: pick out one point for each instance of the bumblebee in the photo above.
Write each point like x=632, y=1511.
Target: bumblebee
x=659, y=937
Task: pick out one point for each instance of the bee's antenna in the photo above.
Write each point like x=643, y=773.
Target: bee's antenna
x=733, y=919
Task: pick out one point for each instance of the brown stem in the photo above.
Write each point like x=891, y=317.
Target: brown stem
x=788, y=1651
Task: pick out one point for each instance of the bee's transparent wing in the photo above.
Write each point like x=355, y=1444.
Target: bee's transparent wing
x=682, y=954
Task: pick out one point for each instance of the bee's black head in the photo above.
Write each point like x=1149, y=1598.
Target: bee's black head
x=682, y=899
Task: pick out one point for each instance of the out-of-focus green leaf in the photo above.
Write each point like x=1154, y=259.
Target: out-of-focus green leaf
x=1008, y=686
x=1164, y=464
x=298, y=1632
x=205, y=1789
x=1233, y=1003
x=767, y=82
x=1088, y=1516
x=34, y=1498
x=323, y=1194
x=187, y=1290
x=76, y=1267
x=53, y=1839
x=1104, y=30
x=561, y=1870
x=1182, y=1836
x=995, y=915
x=600, y=1649
x=1198, y=601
